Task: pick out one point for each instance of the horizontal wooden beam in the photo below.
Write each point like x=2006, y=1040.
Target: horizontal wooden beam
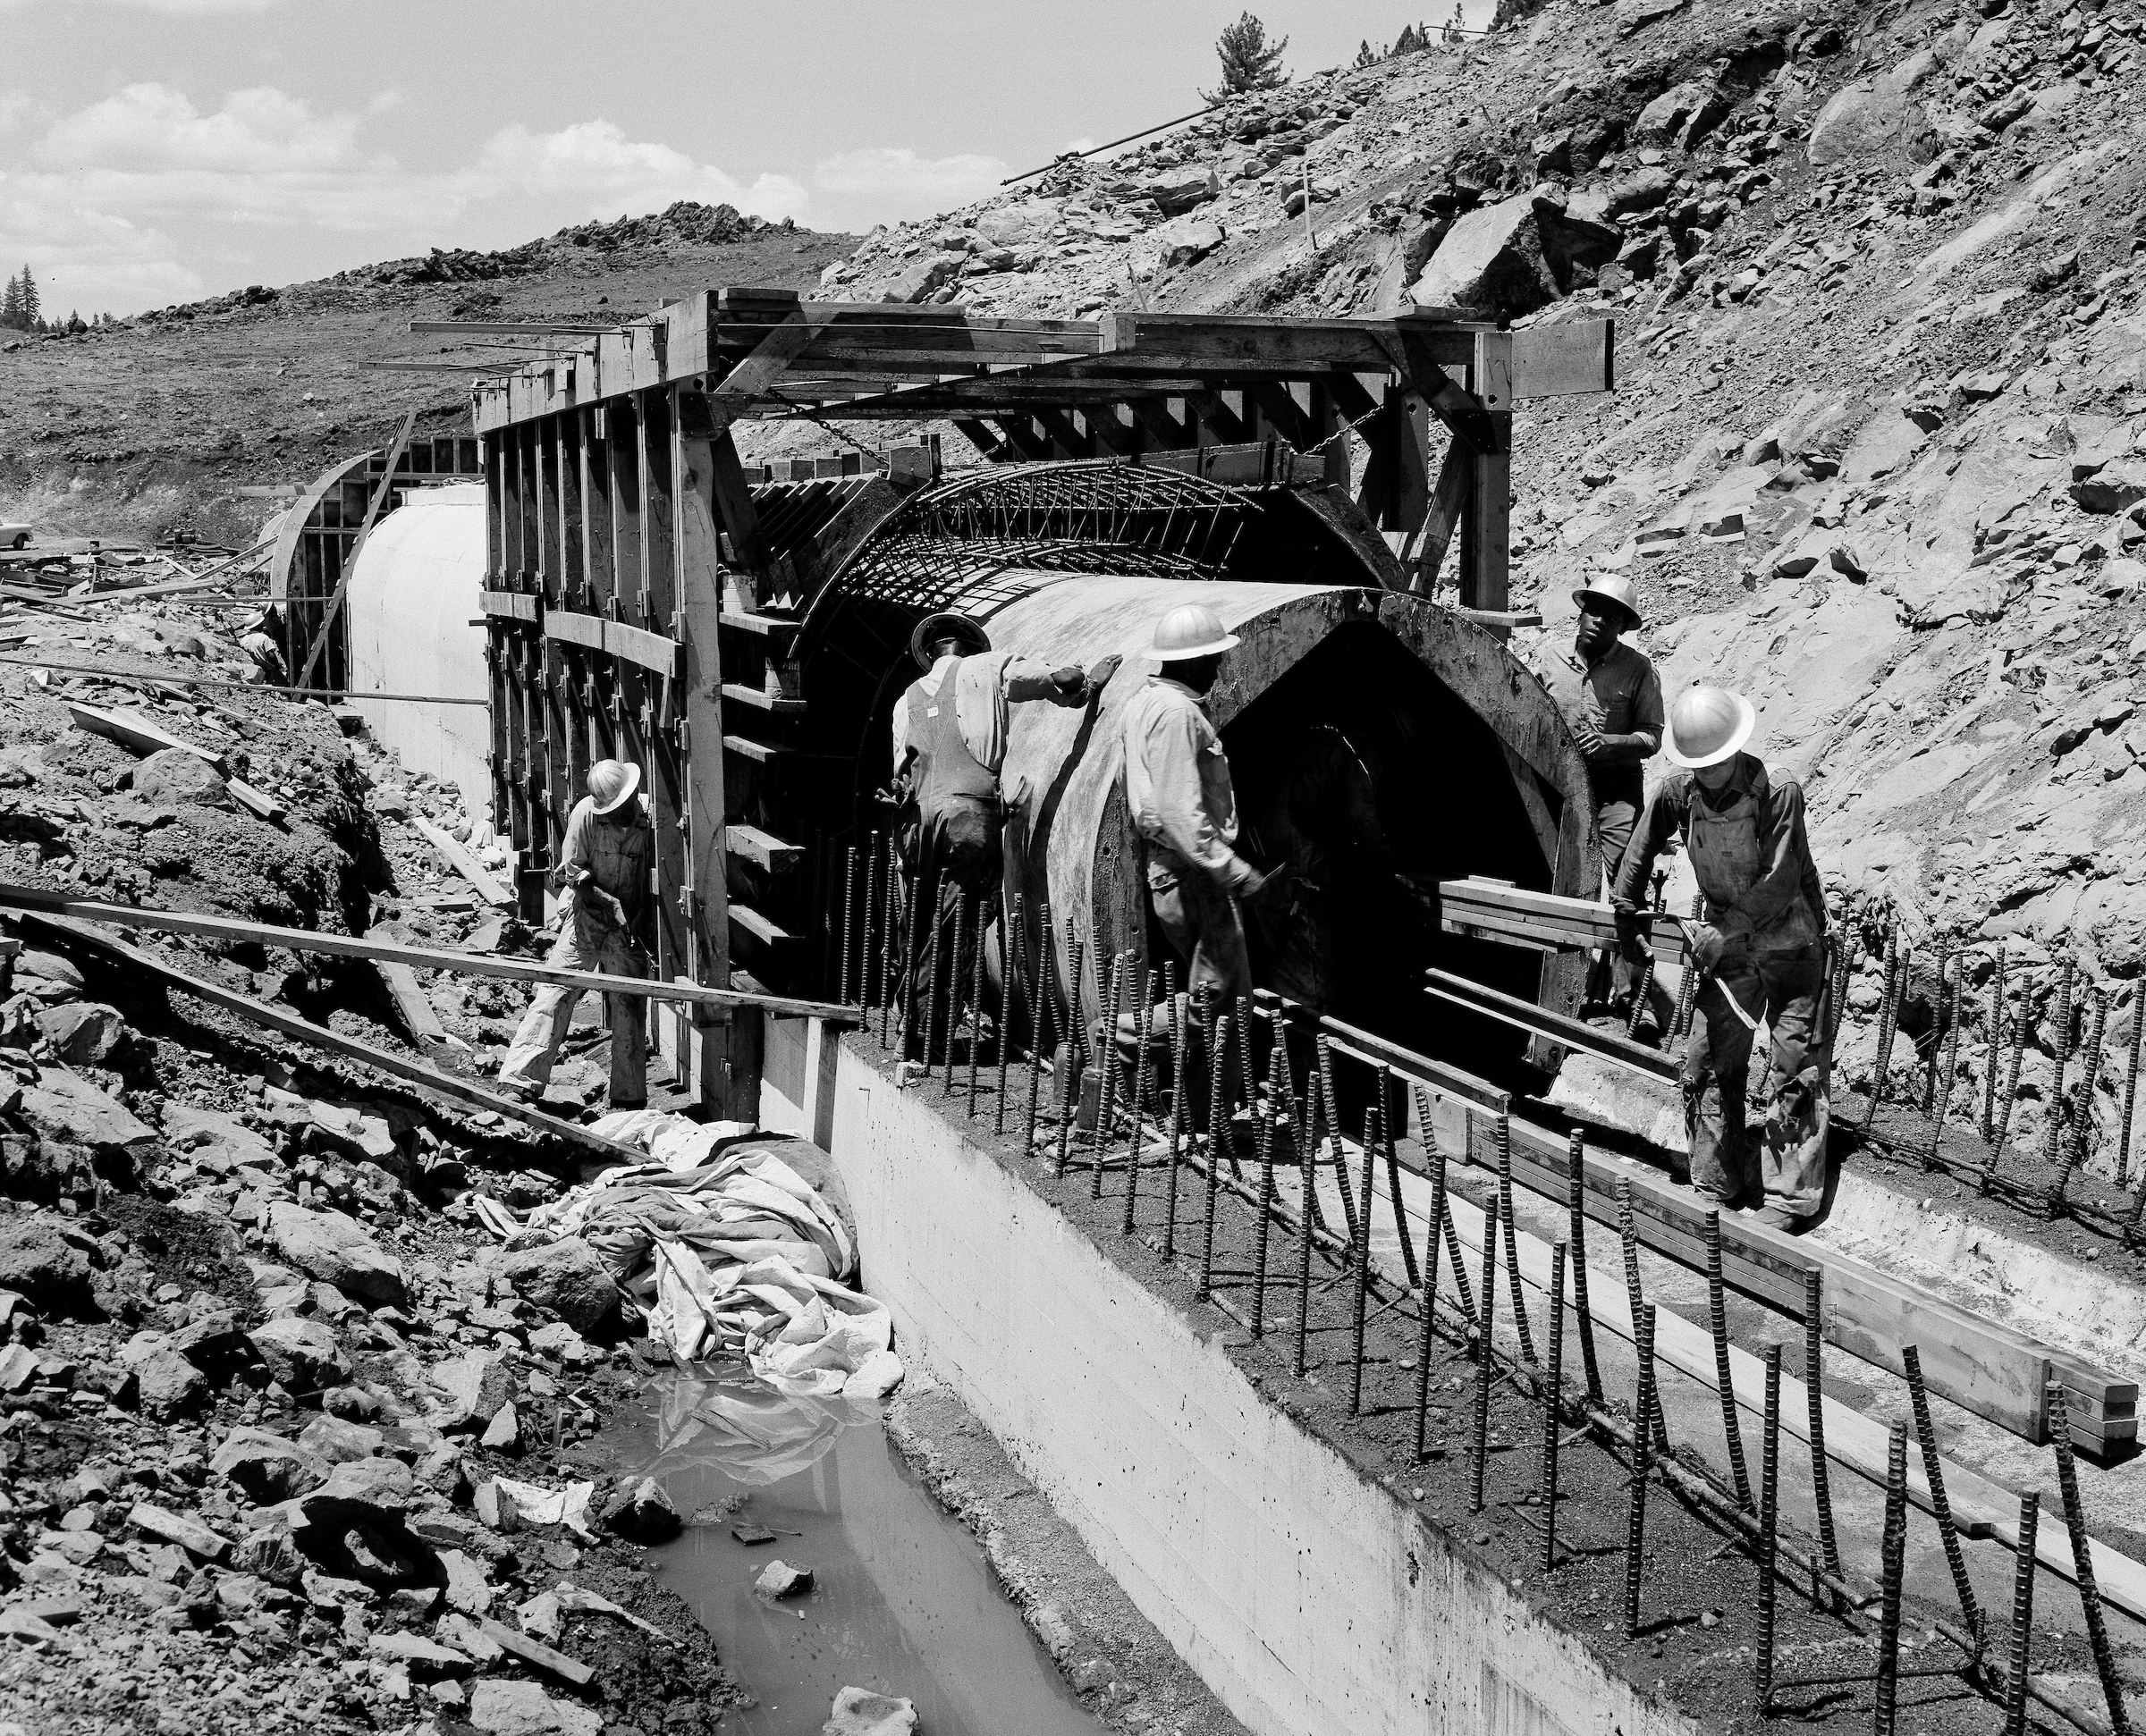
x=425, y=958
x=1540, y=1021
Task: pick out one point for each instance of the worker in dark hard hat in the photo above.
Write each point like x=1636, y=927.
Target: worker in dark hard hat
x=1612, y=700
x=949, y=744
x=1184, y=807
x=603, y=883
x=1759, y=950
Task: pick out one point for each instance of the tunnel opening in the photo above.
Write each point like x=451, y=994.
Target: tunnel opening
x=1371, y=782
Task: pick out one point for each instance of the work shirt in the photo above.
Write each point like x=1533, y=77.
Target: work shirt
x=616, y=857
x=1178, y=788
x=1620, y=696
x=984, y=684
x=1749, y=850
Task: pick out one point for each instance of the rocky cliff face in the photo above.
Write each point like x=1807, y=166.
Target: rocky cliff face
x=1876, y=456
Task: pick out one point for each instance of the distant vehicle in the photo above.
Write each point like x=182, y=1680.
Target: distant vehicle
x=14, y=536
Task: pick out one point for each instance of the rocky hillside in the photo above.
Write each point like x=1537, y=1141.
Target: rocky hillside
x=145, y=427
x=1876, y=455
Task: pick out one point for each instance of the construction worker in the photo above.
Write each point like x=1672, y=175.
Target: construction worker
x=1612, y=700
x=1759, y=950
x=949, y=744
x=1184, y=808
x=256, y=639
x=603, y=881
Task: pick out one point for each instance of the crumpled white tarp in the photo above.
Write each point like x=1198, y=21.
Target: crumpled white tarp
x=728, y=1251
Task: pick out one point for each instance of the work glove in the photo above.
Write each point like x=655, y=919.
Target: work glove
x=1708, y=945
x=1631, y=934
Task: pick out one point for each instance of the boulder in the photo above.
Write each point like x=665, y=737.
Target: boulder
x=48, y=977
x=477, y=1384
x=1180, y=189
x=779, y=1579
x=860, y=1711
x=1875, y=120
x=40, y=1263
x=173, y=777
x=921, y=277
x=266, y=1468
x=2113, y=487
x=336, y=1441
x=522, y=1708
x=66, y=1106
x=209, y=1134
x=1491, y=261
x=1680, y=115
x=302, y=1354
x=81, y=1032
x=1172, y=245
x=166, y=1385
x=642, y=1513
x=1018, y=225
x=329, y=1245
x=1643, y=189
x=567, y=1279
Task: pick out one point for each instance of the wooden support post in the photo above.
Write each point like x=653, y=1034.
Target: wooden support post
x=722, y=1056
x=1486, y=547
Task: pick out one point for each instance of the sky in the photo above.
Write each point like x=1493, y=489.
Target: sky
x=154, y=151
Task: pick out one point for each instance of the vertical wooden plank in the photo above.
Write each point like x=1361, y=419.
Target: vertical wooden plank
x=530, y=558
x=663, y=774
x=1484, y=582
x=573, y=567
x=725, y=1056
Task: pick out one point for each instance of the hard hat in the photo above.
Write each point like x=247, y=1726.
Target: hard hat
x=1614, y=589
x=1708, y=725
x=257, y=622
x=1191, y=629
x=945, y=624
x=613, y=783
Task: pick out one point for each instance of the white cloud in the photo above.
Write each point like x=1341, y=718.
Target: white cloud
x=151, y=129
x=594, y=163
x=170, y=8
x=898, y=175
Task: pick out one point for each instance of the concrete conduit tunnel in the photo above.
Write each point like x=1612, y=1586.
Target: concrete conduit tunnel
x=1378, y=741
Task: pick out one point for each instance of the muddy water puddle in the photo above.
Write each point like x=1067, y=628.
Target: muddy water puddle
x=903, y=1601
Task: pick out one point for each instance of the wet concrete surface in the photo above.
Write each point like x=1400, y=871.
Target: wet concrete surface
x=903, y=1600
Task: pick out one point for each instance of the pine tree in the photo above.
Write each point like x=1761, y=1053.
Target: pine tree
x=11, y=306
x=1409, y=41
x=1365, y=57
x=1249, y=62
x=31, y=308
x=1455, y=24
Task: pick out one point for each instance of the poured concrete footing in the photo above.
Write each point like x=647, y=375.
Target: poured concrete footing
x=1309, y=1596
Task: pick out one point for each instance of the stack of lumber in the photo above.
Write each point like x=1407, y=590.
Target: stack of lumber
x=1541, y=921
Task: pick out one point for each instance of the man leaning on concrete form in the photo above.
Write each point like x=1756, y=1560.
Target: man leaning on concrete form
x=949, y=745
x=1760, y=952
x=1184, y=808
x=603, y=882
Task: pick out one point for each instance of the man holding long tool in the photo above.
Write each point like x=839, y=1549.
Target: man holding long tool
x=949, y=745
x=1760, y=951
x=603, y=878
x=1184, y=808
x=1612, y=700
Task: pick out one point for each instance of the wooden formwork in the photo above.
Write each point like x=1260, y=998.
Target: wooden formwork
x=647, y=591
x=313, y=542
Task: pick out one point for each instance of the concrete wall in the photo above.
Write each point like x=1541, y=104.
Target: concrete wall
x=411, y=604
x=1312, y=1600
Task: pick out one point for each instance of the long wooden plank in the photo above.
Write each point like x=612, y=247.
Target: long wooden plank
x=441, y=1085
x=420, y=1017
x=1557, y=361
x=425, y=958
x=511, y=605
x=464, y=862
x=1540, y=1021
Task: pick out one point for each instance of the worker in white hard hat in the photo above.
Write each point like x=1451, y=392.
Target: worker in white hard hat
x=603, y=883
x=1612, y=700
x=257, y=640
x=1184, y=807
x=950, y=734
x=1758, y=949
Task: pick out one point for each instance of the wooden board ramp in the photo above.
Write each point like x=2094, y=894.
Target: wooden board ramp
x=1977, y=1364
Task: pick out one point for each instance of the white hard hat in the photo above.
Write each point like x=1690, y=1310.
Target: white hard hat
x=1708, y=725
x=1613, y=588
x=1192, y=629
x=613, y=783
